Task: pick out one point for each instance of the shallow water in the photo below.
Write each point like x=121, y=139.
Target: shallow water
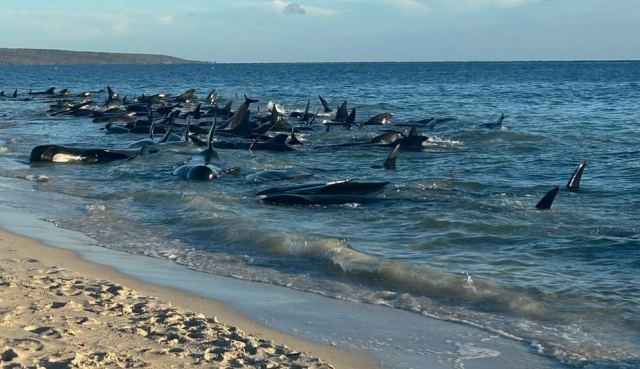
x=460, y=241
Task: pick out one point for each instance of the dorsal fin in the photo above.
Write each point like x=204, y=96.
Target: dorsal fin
x=275, y=116
x=390, y=163
x=150, y=115
x=574, y=182
x=15, y=93
x=306, y=111
x=50, y=90
x=314, y=117
x=294, y=140
x=210, y=152
x=413, y=131
x=351, y=119
x=325, y=105
x=341, y=114
x=546, y=201
x=196, y=112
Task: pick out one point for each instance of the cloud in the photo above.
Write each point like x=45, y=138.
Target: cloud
x=281, y=6
x=294, y=9
x=165, y=19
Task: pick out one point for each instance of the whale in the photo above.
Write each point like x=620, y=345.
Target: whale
x=66, y=154
x=239, y=123
x=199, y=168
x=380, y=119
x=342, y=187
x=45, y=92
x=496, y=125
x=293, y=199
x=275, y=143
x=574, y=182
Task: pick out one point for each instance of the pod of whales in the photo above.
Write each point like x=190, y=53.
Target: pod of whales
x=183, y=119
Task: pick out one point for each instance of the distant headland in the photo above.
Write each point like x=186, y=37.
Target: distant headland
x=67, y=57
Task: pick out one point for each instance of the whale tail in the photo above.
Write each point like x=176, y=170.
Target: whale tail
x=574, y=182
x=546, y=201
x=250, y=101
x=390, y=163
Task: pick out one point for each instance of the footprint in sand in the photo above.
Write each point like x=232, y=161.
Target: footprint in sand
x=25, y=344
x=44, y=332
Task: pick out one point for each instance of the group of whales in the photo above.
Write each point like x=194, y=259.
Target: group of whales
x=272, y=130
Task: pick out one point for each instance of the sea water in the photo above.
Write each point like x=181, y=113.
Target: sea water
x=458, y=236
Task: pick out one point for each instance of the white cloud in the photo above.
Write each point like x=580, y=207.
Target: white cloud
x=166, y=19
x=281, y=6
x=294, y=9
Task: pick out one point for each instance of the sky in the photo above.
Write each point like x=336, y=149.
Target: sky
x=331, y=30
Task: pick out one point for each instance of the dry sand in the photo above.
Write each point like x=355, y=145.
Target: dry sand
x=58, y=311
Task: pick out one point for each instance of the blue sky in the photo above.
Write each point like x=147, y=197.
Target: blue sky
x=331, y=30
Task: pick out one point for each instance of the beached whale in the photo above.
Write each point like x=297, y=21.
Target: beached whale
x=200, y=168
x=66, y=154
x=293, y=199
x=344, y=187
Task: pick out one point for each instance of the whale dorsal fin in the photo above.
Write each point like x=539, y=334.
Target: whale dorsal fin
x=341, y=114
x=325, y=105
x=351, y=119
x=294, y=140
x=150, y=115
x=547, y=200
x=390, y=163
x=574, y=181
x=306, y=111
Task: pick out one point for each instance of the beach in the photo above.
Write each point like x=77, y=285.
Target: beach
x=58, y=311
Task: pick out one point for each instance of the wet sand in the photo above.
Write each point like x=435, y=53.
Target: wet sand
x=59, y=311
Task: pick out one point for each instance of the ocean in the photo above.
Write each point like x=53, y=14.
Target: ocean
x=458, y=237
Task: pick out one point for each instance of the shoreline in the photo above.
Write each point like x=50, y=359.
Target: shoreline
x=367, y=336
x=16, y=250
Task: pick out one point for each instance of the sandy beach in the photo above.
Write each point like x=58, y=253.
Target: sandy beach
x=58, y=311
